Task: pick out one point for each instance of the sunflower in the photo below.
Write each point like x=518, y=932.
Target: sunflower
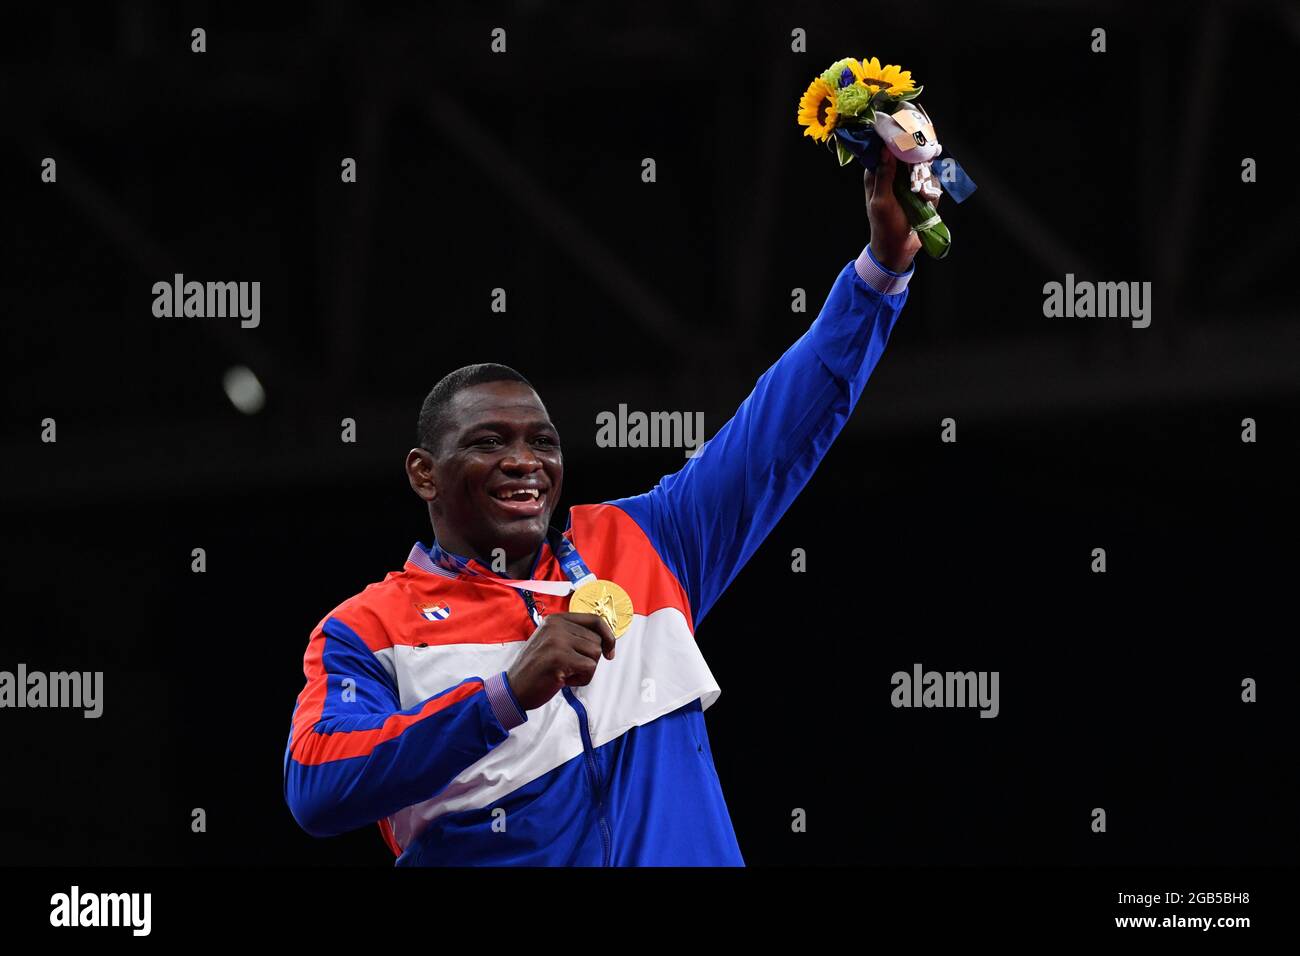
x=891, y=78
x=818, y=110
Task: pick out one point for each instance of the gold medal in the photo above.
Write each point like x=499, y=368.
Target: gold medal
x=607, y=600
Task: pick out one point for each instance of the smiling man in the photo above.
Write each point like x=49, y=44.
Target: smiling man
x=517, y=694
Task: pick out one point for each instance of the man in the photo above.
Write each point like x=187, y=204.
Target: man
x=464, y=707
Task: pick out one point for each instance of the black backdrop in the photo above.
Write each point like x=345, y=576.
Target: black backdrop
x=523, y=171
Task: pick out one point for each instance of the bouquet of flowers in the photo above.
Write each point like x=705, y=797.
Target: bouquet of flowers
x=857, y=106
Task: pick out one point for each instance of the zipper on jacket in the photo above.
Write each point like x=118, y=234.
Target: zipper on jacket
x=593, y=773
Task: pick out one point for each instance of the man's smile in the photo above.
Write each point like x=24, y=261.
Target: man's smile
x=520, y=499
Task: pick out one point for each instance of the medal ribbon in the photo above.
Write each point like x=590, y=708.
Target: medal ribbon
x=575, y=569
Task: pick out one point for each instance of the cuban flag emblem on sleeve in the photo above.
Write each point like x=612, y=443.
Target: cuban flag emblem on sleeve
x=434, y=612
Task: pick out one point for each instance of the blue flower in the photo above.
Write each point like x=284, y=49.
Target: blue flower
x=846, y=77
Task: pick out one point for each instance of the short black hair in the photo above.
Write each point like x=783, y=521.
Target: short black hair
x=433, y=412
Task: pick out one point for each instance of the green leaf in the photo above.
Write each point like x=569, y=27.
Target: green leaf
x=912, y=95
x=845, y=156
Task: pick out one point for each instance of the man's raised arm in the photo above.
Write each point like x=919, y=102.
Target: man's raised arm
x=708, y=519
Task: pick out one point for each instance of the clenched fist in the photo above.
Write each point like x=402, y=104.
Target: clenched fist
x=894, y=242
x=563, y=652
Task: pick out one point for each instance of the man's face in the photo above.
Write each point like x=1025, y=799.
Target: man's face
x=497, y=473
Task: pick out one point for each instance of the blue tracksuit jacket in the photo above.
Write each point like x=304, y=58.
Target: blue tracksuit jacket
x=407, y=719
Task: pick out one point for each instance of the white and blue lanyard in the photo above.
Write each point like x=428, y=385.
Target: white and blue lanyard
x=575, y=569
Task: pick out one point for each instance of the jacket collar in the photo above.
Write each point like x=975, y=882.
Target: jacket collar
x=437, y=560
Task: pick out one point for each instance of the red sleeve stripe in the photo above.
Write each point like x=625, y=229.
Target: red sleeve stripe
x=386, y=831
x=312, y=748
x=311, y=701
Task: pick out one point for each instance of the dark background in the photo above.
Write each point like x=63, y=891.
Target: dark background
x=522, y=171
